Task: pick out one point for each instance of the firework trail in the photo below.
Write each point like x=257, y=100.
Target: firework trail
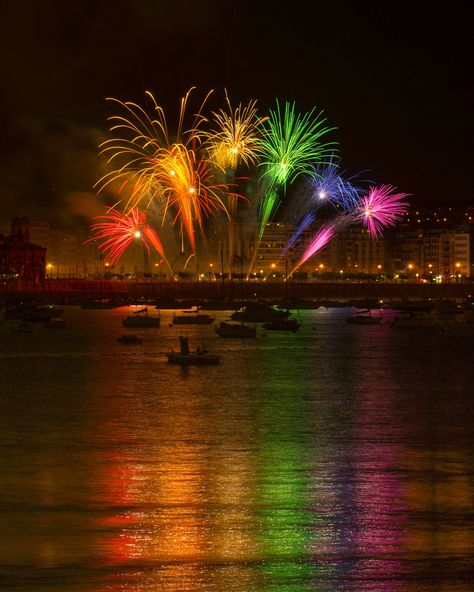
x=380, y=208
x=116, y=231
x=319, y=241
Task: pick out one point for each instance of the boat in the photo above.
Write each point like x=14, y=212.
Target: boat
x=282, y=325
x=129, y=339
x=364, y=317
x=42, y=313
x=194, y=319
x=199, y=357
x=259, y=312
x=140, y=318
x=225, y=329
x=32, y=312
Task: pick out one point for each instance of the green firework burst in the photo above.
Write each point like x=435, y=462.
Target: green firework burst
x=291, y=143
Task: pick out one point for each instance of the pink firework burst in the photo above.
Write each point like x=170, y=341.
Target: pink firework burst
x=116, y=231
x=380, y=208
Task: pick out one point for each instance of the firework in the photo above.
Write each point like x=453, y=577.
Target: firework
x=291, y=143
x=115, y=232
x=236, y=137
x=320, y=240
x=307, y=220
x=328, y=186
x=188, y=189
x=139, y=142
x=380, y=208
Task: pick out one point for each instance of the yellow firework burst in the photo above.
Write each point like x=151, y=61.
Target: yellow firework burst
x=235, y=136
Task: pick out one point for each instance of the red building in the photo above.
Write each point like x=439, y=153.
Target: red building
x=18, y=257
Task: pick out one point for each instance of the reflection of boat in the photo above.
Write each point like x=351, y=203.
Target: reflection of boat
x=199, y=357
x=193, y=319
x=364, y=318
x=282, y=325
x=235, y=330
x=129, y=339
x=259, y=312
x=193, y=358
x=414, y=321
x=140, y=318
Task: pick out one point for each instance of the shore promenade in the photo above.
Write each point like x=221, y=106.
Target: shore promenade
x=80, y=289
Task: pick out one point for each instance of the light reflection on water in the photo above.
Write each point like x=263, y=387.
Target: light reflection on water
x=337, y=458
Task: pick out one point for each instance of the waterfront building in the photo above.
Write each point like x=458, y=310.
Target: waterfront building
x=19, y=257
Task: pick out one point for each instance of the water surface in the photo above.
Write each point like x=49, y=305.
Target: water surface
x=338, y=458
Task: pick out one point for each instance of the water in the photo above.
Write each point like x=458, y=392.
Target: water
x=339, y=458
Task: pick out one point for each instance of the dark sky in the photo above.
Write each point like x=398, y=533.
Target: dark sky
x=394, y=77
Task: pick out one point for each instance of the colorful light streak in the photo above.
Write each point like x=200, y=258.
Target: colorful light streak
x=320, y=240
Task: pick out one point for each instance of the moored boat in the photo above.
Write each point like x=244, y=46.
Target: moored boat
x=140, y=318
x=192, y=319
x=259, y=312
x=238, y=330
x=364, y=318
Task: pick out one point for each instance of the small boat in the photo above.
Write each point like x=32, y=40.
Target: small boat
x=225, y=329
x=140, y=318
x=259, y=312
x=199, y=357
x=364, y=318
x=282, y=325
x=129, y=339
x=196, y=319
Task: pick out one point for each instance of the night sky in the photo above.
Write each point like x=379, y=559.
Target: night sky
x=395, y=79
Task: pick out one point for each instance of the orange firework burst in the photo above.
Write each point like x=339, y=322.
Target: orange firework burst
x=188, y=189
x=115, y=232
x=139, y=142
